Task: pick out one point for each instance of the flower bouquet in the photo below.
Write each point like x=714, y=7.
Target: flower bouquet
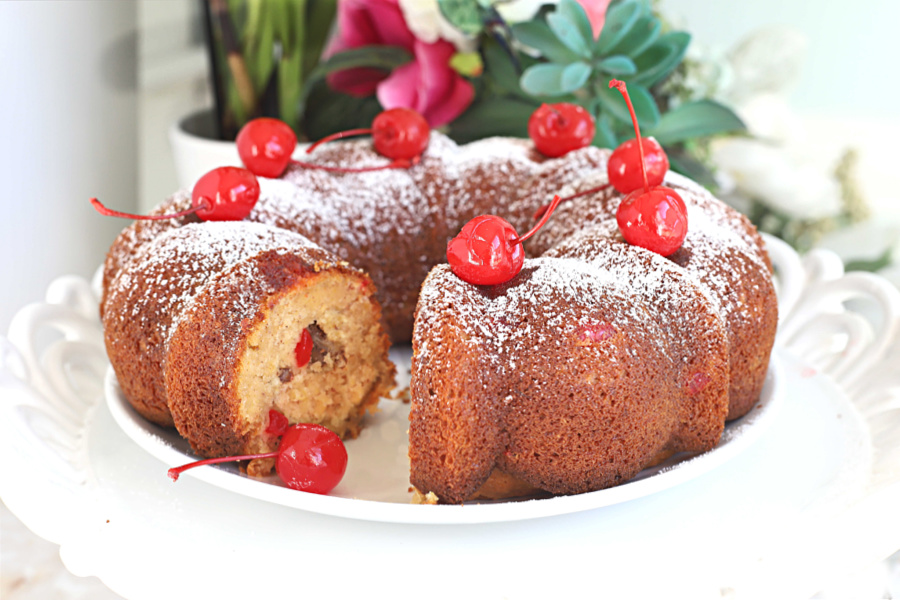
x=472, y=68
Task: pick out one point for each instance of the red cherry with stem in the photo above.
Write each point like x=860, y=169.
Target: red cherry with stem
x=624, y=165
x=622, y=176
x=303, y=349
x=231, y=193
x=400, y=134
x=654, y=218
x=488, y=251
x=557, y=129
x=265, y=146
x=397, y=133
x=309, y=458
x=223, y=194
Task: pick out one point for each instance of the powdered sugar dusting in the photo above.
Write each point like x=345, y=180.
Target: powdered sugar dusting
x=395, y=224
x=174, y=267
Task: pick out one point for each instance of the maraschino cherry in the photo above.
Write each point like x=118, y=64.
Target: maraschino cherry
x=398, y=133
x=557, y=129
x=624, y=170
x=401, y=134
x=303, y=349
x=278, y=423
x=624, y=166
x=265, y=146
x=223, y=194
x=488, y=251
x=309, y=458
x=654, y=217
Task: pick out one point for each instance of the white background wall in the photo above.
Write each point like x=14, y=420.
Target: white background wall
x=68, y=130
x=854, y=47
x=88, y=90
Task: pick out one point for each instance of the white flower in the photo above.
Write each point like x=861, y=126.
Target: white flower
x=768, y=61
x=425, y=20
x=770, y=174
x=775, y=166
x=769, y=117
x=516, y=11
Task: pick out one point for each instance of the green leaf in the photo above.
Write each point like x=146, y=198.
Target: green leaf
x=568, y=34
x=465, y=15
x=329, y=111
x=550, y=79
x=573, y=12
x=683, y=163
x=379, y=57
x=604, y=136
x=260, y=58
x=320, y=16
x=537, y=35
x=285, y=23
x=644, y=106
x=575, y=75
x=617, y=66
x=247, y=20
x=660, y=59
x=290, y=87
x=693, y=120
x=640, y=37
x=620, y=18
x=493, y=117
x=499, y=67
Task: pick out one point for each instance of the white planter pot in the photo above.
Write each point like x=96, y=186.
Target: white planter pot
x=195, y=149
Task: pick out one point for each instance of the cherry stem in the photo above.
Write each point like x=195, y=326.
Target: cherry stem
x=339, y=135
x=174, y=472
x=547, y=213
x=108, y=212
x=620, y=85
x=398, y=163
x=542, y=210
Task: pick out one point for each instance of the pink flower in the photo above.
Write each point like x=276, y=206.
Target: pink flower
x=596, y=12
x=427, y=84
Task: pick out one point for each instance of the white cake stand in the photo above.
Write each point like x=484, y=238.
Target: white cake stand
x=810, y=499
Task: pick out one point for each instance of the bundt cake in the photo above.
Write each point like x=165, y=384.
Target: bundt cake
x=596, y=361
x=210, y=326
x=598, y=358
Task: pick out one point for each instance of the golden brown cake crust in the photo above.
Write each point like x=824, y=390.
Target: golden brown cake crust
x=178, y=317
x=564, y=378
x=160, y=277
x=691, y=351
x=686, y=341
x=205, y=350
